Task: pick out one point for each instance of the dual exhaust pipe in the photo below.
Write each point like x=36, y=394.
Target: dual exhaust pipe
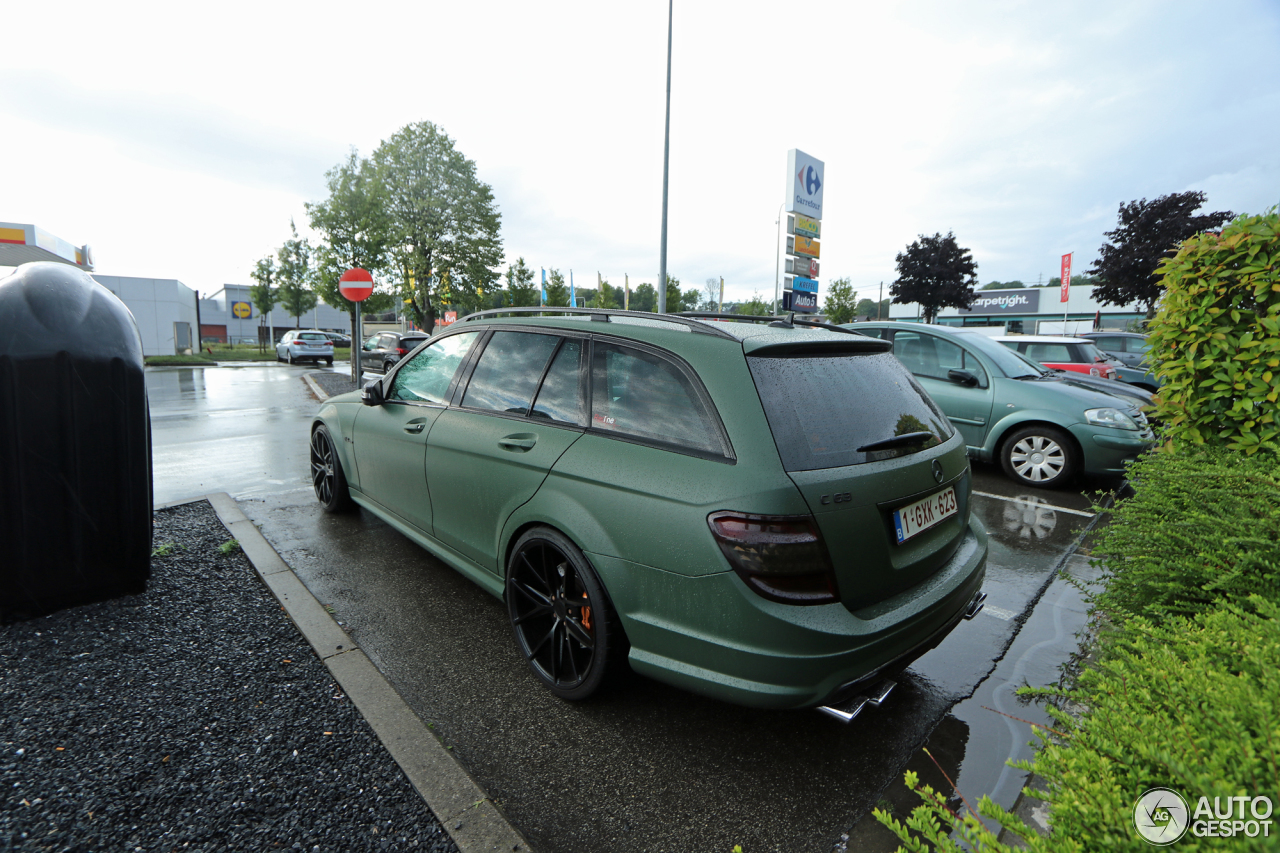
x=875, y=697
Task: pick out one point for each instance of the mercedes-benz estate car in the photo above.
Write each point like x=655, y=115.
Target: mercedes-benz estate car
x=1043, y=428
x=774, y=516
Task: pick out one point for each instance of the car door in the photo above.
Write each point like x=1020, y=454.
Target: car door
x=391, y=438
x=930, y=358
x=521, y=408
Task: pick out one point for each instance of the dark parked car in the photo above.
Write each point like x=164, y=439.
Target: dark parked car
x=768, y=515
x=339, y=339
x=1130, y=348
x=380, y=352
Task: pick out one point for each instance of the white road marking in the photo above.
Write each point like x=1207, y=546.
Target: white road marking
x=1046, y=506
x=999, y=612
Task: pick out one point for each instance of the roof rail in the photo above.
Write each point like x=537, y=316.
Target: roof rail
x=787, y=322
x=603, y=315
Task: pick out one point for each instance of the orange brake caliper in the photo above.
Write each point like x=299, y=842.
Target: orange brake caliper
x=586, y=614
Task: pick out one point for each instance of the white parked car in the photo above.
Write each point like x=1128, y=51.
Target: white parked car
x=305, y=345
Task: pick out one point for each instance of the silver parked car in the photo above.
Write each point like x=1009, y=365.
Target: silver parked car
x=307, y=345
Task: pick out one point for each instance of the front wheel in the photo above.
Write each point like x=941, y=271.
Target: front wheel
x=1040, y=456
x=563, y=622
x=289, y=356
x=327, y=477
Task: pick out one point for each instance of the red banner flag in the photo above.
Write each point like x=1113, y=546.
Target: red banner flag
x=1066, y=276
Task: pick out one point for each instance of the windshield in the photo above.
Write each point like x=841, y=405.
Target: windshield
x=1013, y=364
x=1091, y=353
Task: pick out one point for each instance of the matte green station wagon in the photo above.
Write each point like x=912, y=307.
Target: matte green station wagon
x=768, y=513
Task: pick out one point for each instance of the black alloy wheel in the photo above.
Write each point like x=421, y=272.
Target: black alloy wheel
x=327, y=477
x=563, y=622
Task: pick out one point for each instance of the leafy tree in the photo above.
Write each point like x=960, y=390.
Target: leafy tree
x=295, y=275
x=644, y=298
x=356, y=232
x=607, y=296
x=839, y=306
x=935, y=272
x=675, y=299
x=262, y=294
x=557, y=290
x=1003, y=285
x=444, y=224
x=1149, y=231
x=755, y=307
x=521, y=290
x=869, y=308
x=689, y=300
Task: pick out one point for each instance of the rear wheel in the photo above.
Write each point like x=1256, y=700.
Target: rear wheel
x=387, y=365
x=328, y=362
x=564, y=624
x=1040, y=456
x=327, y=477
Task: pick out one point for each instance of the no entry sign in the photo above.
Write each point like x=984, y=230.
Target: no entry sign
x=356, y=284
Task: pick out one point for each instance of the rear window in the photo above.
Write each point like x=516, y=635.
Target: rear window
x=822, y=409
x=306, y=337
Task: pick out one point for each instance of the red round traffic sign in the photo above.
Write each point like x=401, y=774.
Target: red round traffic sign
x=356, y=284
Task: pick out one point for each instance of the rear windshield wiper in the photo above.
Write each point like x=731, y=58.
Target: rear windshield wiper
x=897, y=441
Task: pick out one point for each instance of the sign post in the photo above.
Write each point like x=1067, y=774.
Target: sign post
x=356, y=285
x=1066, y=287
x=805, y=181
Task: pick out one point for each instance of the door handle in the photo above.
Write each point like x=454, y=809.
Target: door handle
x=518, y=442
x=413, y=427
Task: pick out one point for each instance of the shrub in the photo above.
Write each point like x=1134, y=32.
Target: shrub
x=1202, y=526
x=1216, y=338
x=1193, y=705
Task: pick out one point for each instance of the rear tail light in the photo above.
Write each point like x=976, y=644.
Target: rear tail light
x=401, y=351
x=781, y=557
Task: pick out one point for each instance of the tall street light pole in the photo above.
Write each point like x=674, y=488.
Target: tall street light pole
x=777, y=260
x=666, y=165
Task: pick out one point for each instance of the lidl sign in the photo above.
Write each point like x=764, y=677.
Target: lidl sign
x=242, y=310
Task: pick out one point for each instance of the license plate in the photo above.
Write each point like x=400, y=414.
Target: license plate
x=923, y=514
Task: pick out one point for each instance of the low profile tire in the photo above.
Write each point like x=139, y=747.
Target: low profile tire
x=563, y=622
x=1040, y=456
x=327, y=477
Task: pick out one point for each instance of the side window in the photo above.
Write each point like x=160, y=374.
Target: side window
x=425, y=378
x=975, y=367
x=560, y=398
x=508, y=372
x=921, y=353
x=1050, y=353
x=1137, y=345
x=645, y=396
x=1112, y=344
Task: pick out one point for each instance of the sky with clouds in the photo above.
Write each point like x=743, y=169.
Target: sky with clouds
x=178, y=140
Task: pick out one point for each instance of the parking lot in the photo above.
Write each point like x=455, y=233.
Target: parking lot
x=645, y=767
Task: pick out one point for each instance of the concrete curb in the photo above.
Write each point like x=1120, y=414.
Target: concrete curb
x=315, y=387
x=474, y=821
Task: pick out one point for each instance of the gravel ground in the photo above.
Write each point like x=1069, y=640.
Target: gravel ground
x=333, y=383
x=191, y=717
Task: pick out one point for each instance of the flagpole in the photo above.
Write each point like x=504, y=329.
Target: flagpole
x=666, y=168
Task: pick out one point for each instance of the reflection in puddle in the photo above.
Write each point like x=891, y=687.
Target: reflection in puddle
x=1029, y=517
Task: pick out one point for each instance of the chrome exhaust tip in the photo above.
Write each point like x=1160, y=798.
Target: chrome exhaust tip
x=847, y=710
x=975, y=606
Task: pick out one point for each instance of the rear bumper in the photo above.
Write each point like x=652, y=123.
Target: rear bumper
x=712, y=635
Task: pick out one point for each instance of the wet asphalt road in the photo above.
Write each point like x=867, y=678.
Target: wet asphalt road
x=647, y=767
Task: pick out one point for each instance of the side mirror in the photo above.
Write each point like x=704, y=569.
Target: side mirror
x=962, y=377
x=372, y=394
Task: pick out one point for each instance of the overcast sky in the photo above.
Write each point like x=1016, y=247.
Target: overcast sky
x=178, y=139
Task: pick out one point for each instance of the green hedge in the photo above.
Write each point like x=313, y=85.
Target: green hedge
x=1203, y=526
x=1216, y=338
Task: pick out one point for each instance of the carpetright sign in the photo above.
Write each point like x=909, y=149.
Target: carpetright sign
x=1004, y=302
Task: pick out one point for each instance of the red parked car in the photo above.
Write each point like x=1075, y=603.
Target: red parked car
x=1076, y=354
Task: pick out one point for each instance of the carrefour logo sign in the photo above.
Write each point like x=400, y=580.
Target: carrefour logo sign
x=1006, y=302
x=805, y=176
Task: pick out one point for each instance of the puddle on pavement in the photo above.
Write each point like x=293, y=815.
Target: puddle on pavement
x=981, y=734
